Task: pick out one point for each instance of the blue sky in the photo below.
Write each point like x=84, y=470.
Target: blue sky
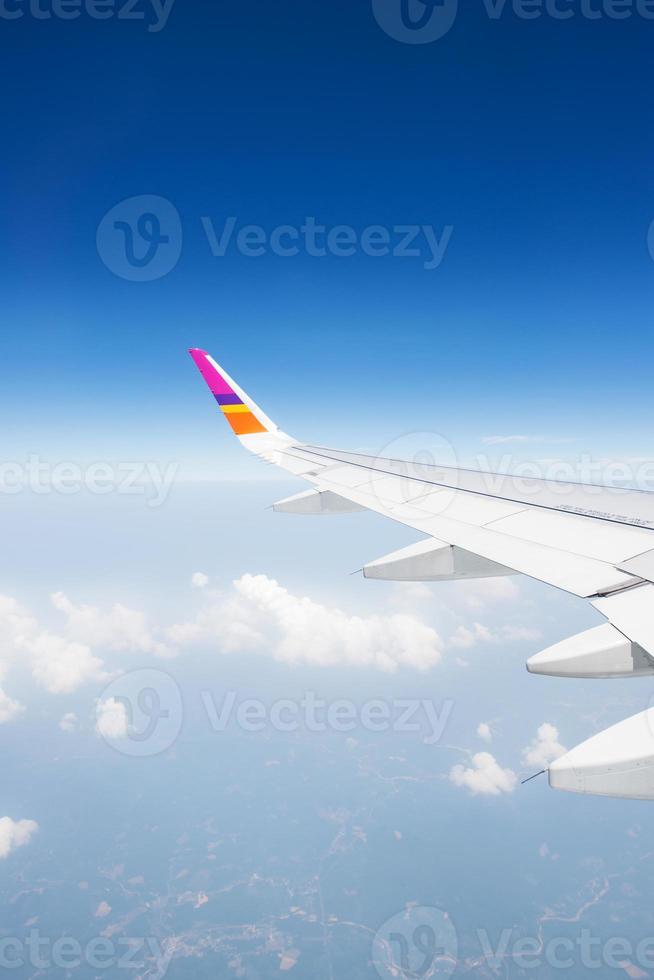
x=524, y=147
x=532, y=139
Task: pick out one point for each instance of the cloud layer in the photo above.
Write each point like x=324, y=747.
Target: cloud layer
x=9, y=709
x=484, y=731
x=89, y=645
x=260, y=614
x=544, y=748
x=15, y=833
x=485, y=776
x=111, y=719
x=61, y=662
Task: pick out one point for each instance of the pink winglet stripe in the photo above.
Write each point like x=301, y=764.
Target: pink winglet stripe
x=215, y=381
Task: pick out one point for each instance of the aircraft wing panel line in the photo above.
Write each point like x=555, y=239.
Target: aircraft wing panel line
x=403, y=471
x=632, y=613
x=607, y=541
x=577, y=574
x=581, y=575
x=596, y=544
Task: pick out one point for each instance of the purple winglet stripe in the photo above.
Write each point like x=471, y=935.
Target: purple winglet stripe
x=228, y=400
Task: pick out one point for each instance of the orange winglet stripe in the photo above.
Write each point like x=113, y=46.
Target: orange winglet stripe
x=244, y=424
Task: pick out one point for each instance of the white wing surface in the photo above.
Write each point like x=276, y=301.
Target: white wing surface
x=594, y=542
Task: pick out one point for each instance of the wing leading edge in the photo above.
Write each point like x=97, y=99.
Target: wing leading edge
x=594, y=542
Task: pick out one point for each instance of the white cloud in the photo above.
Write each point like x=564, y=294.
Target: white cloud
x=255, y=615
x=13, y=618
x=484, y=591
x=486, y=776
x=69, y=722
x=545, y=747
x=15, y=833
x=57, y=663
x=120, y=629
x=409, y=593
x=9, y=709
x=465, y=637
x=63, y=663
x=15, y=624
x=502, y=440
x=260, y=616
x=60, y=666
x=111, y=719
x=484, y=731
x=516, y=634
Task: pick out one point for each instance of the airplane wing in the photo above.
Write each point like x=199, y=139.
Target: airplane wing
x=594, y=542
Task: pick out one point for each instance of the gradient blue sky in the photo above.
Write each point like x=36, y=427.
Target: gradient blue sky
x=532, y=138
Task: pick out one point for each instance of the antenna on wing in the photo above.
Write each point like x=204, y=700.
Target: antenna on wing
x=535, y=776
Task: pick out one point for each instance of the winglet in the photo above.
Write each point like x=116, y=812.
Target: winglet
x=244, y=416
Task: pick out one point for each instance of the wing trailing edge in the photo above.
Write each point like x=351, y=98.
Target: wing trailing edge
x=597, y=543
